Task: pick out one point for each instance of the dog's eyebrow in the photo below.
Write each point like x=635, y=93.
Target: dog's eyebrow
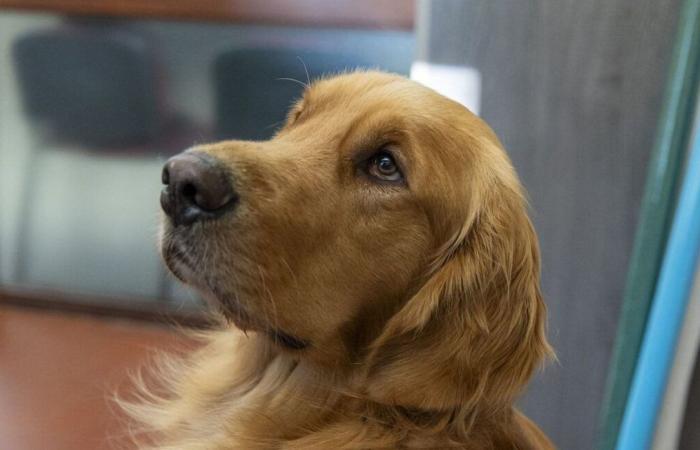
x=377, y=138
x=382, y=128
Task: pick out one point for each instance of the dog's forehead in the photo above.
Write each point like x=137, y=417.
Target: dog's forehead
x=356, y=82
x=361, y=93
x=358, y=89
x=441, y=131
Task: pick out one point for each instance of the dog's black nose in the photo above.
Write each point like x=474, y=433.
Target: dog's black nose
x=197, y=187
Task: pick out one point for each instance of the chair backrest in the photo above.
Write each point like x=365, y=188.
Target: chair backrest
x=254, y=88
x=90, y=85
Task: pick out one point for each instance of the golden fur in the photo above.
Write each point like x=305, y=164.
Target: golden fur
x=419, y=301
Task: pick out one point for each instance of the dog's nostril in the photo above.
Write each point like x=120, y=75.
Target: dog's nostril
x=166, y=201
x=165, y=176
x=190, y=191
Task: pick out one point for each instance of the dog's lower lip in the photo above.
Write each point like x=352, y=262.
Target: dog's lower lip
x=175, y=259
x=172, y=261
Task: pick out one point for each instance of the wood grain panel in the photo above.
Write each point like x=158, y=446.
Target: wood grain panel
x=387, y=14
x=574, y=89
x=59, y=374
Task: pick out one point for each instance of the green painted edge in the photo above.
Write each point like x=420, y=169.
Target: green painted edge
x=673, y=133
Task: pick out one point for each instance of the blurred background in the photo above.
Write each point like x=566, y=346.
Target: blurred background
x=95, y=96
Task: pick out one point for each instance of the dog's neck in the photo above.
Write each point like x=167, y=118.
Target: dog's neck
x=245, y=392
x=312, y=395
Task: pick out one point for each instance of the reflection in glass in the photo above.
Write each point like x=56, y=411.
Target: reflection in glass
x=91, y=109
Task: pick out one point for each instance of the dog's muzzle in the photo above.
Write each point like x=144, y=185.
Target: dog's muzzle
x=197, y=188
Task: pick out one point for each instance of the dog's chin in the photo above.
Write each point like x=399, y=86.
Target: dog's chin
x=230, y=308
x=177, y=260
x=227, y=305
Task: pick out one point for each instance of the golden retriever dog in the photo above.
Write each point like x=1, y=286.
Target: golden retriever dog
x=378, y=274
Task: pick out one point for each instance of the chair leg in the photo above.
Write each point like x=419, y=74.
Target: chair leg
x=25, y=216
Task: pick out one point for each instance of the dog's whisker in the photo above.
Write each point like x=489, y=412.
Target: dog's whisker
x=293, y=275
x=306, y=71
x=301, y=83
x=273, y=125
x=274, y=324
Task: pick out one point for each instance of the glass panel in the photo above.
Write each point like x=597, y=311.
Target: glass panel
x=91, y=108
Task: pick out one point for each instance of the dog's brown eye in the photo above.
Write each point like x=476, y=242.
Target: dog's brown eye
x=384, y=167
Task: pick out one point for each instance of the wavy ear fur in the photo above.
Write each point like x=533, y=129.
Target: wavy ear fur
x=474, y=333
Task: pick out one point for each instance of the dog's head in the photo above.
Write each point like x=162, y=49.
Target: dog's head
x=383, y=226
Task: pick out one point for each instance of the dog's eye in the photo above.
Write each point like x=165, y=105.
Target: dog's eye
x=383, y=166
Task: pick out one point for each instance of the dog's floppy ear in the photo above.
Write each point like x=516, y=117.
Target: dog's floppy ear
x=475, y=331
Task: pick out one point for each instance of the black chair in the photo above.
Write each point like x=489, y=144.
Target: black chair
x=92, y=87
x=255, y=87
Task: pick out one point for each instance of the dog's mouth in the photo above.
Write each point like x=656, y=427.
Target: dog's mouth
x=181, y=258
